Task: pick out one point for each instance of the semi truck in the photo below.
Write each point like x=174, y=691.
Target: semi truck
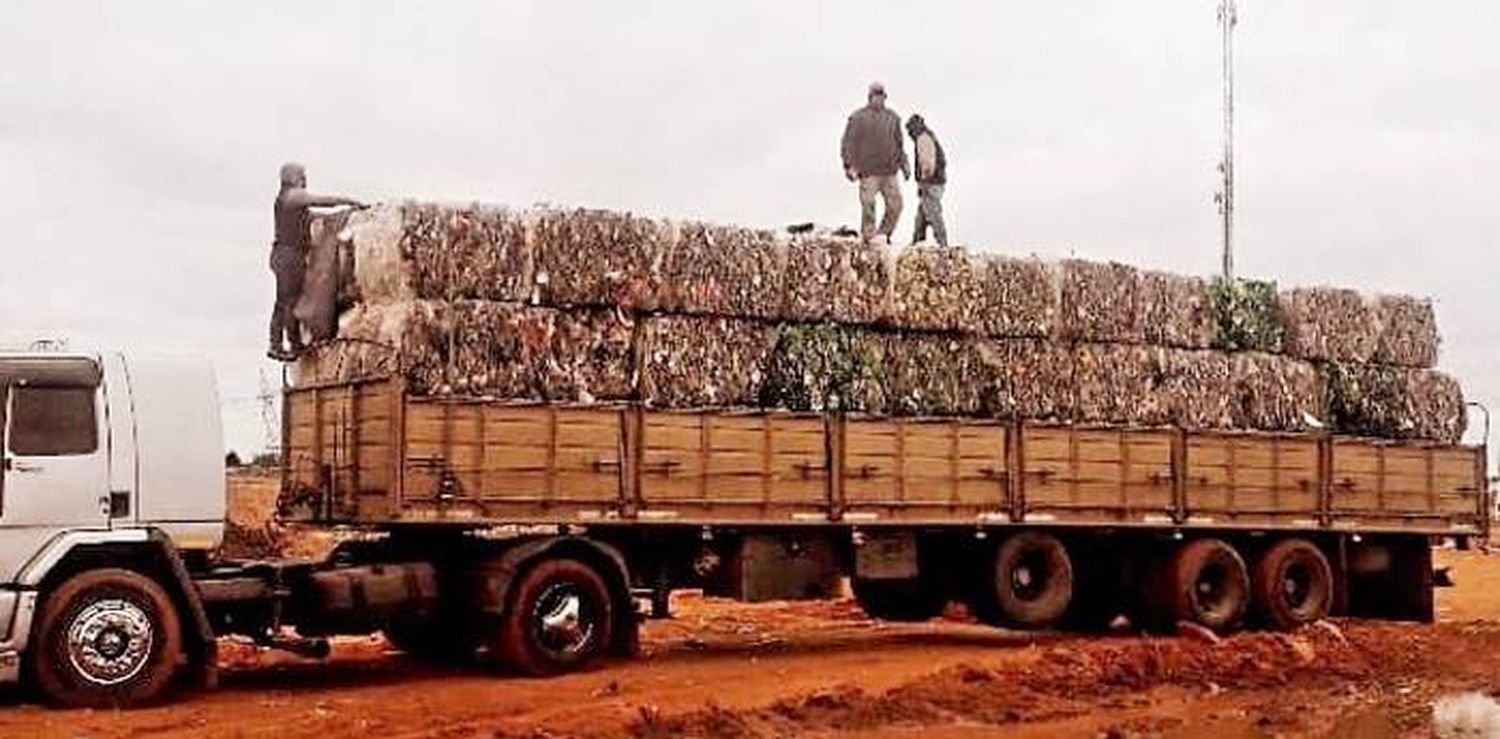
x=537, y=536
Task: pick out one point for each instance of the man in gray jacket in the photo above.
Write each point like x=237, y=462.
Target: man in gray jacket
x=872, y=153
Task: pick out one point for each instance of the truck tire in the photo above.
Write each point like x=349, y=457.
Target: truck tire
x=1030, y=585
x=559, y=618
x=899, y=600
x=107, y=638
x=1292, y=585
x=1206, y=583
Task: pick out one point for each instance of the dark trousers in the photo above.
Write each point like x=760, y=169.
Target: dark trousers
x=290, y=268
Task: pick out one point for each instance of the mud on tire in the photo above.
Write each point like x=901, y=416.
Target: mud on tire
x=1031, y=584
x=1292, y=585
x=559, y=618
x=1204, y=582
x=107, y=638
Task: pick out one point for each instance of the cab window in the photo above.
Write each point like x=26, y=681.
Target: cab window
x=52, y=421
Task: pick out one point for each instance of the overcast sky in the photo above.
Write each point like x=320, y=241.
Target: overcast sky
x=139, y=141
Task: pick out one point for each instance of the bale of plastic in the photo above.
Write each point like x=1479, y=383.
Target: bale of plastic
x=1118, y=384
x=1247, y=315
x=1100, y=302
x=598, y=258
x=701, y=362
x=934, y=289
x=934, y=375
x=1329, y=324
x=1014, y=297
x=1177, y=311
x=841, y=280
x=1408, y=331
x=1395, y=403
x=1278, y=393
x=725, y=271
x=1026, y=378
x=1198, y=388
x=826, y=367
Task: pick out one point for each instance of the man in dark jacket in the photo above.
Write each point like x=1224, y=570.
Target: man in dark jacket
x=872, y=153
x=932, y=176
x=289, y=255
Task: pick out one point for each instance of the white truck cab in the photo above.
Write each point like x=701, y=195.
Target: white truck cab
x=108, y=461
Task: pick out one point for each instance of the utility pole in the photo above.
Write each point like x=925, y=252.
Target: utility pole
x=269, y=416
x=1228, y=18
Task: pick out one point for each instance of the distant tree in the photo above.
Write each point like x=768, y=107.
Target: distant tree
x=232, y=460
x=267, y=460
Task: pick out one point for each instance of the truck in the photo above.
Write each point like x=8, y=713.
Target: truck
x=538, y=536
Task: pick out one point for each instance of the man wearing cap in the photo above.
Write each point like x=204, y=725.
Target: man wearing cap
x=289, y=255
x=932, y=175
x=872, y=153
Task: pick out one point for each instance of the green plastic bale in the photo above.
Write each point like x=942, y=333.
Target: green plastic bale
x=1247, y=314
x=826, y=367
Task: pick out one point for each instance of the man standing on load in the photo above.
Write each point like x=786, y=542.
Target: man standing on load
x=872, y=154
x=289, y=255
x=932, y=175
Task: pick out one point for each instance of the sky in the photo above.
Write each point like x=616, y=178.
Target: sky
x=139, y=142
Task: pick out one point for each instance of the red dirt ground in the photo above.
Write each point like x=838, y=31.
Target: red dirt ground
x=722, y=669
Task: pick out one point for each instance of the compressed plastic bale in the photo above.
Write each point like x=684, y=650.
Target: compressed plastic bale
x=1177, y=311
x=1119, y=384
x=1277, y=393
x=724, y=270
x=469, y=252
x=1026, y=378
x=1100, y=302
x=598, y=258
x=382, y=270
x=826, y=367
x=1408, y=331
x=1329, y=324
x=842, y=280
x=1198, y=389
x=934, y=289
x=590, y=357
x=1247, y=315
x=483, y=348
x=1395, y=403
x=934, y=375
x=370, y=345
x=1015, y=297
x=697, y=362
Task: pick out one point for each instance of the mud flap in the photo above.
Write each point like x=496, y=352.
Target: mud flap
x=203, y=646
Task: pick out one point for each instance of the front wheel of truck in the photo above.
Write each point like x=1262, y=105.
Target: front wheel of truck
x=559, y=618
x=106, y=638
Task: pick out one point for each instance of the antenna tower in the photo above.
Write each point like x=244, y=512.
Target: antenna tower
x=1228, y=19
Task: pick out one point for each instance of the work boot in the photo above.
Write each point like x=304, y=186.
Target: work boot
x=279, y=354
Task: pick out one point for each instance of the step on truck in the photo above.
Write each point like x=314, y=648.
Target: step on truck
x=535, y=536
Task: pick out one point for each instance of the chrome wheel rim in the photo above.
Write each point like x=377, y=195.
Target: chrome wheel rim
x=109, y=641
x=563, y=620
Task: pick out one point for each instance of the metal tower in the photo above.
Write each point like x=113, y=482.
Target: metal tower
x=1228, y=19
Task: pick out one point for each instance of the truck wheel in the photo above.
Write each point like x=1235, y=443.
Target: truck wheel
x=560, y=617
x=108, y=638
x=1293, y=584
x=1031, y=585
x=899, y=600
x=1207, y=584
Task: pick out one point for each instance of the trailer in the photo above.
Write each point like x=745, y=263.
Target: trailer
x=530, y=534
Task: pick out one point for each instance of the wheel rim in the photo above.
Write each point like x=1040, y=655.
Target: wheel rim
x=1297, y=586
x=1211, y=590
x=109, y=641
x=1029, y=578
x=563, y=620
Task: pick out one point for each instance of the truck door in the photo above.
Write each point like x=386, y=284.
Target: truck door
x=55, y=466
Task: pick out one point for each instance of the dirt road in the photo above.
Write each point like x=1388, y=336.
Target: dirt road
x=724, y=669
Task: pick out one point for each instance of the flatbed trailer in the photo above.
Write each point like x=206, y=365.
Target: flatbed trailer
x=1032, y=524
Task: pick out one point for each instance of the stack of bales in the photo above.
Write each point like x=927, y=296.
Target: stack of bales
x=595, y=306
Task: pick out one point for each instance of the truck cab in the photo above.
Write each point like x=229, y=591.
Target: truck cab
x=112, y=475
